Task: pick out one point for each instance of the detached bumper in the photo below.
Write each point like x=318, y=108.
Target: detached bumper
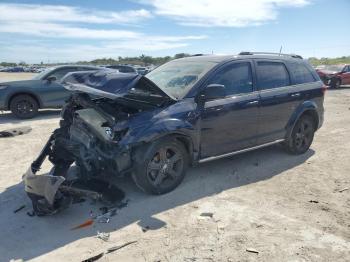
x=45, y=186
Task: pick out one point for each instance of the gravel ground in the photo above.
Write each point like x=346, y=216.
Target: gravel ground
x=287, y=208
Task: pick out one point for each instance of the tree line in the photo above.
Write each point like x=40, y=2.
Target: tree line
x=144, y=60
x=329, y=61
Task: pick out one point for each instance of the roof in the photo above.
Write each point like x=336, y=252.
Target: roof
x=87, y=66
x=243, y=55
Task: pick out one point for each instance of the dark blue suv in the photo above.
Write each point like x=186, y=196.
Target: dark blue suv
x=185, y=112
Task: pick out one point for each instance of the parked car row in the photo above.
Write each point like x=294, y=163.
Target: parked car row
x=120, y=67
x=131, y=69
x=31, y=69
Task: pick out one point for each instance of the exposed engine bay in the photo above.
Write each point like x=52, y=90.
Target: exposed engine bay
x=91, y=128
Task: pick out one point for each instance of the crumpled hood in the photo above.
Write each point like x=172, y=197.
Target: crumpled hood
x=109, y=83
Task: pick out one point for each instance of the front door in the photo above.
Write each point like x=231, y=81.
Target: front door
x=229, y=124
x=53, y=93
x=346, y=76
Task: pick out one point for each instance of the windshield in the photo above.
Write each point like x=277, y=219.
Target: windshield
x=336, y=68
x=43, y=73
x=177, y=77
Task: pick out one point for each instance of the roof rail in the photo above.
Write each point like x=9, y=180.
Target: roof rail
x=269, y=53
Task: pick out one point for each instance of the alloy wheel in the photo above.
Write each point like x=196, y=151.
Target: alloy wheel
x=303, y=135
x=166, y=165
x=24, y=107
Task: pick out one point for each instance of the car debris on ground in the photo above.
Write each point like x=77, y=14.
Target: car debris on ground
x=109, y=250
x=102, y=235
x=51, y=194
x=19, y=209
x=15, y=131
x=344, y=189
x=207, y=214
x=252, y=250
x=313, y=201
x=87, y=223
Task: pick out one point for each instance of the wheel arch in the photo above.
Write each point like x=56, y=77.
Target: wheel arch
x=183, y=138
x=13, y=95
x=307, y=108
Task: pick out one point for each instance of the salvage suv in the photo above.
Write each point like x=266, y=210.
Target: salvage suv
x=187, y=111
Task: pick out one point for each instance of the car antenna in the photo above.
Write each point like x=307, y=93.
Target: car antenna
x=280, y=50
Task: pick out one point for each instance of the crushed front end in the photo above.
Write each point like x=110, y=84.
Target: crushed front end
x=92, y=125
x=85, y=137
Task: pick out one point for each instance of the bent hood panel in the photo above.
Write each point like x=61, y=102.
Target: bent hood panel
x=108, y=84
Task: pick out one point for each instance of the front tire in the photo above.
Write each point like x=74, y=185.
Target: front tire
x=302, y=136
x=160, y=166
x=24, y=106
x=335, y=83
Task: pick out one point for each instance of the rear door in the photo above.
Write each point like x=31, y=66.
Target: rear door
x=277, y=101
x=230, y=124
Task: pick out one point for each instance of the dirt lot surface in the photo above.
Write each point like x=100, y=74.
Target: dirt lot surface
x=4, y=76
x=287, y=208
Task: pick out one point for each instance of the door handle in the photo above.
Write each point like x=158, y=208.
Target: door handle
x=295, y=95
x=255, y=102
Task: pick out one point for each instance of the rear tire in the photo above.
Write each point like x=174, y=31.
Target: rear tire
x=24, y=106
x=302, y=136
x=160, y=166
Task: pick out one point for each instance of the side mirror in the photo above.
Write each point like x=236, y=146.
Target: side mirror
x=51, y=79
x=213, y=91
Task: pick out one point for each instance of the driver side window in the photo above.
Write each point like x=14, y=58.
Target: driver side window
x=237, y=78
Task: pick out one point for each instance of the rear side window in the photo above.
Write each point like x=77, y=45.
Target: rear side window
x=60, y=73
x=272, y=75
x=237, y=78
x=301, y=74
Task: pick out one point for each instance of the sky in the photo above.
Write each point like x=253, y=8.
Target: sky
x=67, y=31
